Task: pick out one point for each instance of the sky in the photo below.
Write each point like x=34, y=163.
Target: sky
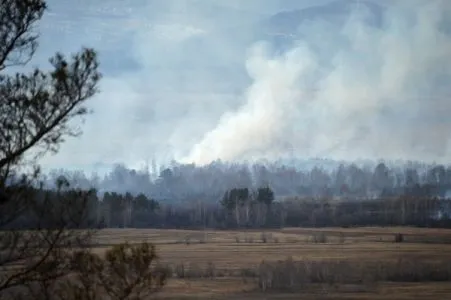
x=187, y=80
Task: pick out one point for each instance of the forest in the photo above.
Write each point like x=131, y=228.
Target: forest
x=309, y=178
x=222, y=196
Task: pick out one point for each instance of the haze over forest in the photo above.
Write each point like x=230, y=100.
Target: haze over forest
x=201, y=80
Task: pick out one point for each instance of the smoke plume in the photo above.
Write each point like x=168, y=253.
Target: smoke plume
x=358, y=91
x=200, y=80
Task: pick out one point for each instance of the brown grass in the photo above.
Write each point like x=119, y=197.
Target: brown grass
x=231, y=252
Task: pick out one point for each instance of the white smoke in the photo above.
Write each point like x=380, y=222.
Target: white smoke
x=266, y=115
x=174, y=74
x=380, y=93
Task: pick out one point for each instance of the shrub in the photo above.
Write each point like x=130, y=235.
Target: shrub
x=210, y=270
x=125, y=272
x=193, y=270
x=179, y=270
x=264, y=237
x=249, y=239
x=319, y=238
x=399, y=238
x=290, y=275
x=342, y=238
x=128, y=271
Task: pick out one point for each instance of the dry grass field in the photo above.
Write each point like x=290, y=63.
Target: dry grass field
x=231, y=253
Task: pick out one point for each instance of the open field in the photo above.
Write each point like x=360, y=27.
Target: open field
x=233, y=253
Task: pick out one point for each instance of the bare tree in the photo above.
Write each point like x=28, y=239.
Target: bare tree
x=39, y=235
x=46, y=235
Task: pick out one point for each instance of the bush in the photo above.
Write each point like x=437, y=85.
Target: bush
x=125, y=272
x=264, y=237
x=210, y=270
x=292, y=275
x=248, y=239
x=342, y=238
x=399, y=238
x=319, y=238
x=193, y=270
x=180, y=270
x=248, y=273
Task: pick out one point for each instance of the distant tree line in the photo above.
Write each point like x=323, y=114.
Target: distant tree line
x=248, y=208
x=307, y=179
x=256, y=196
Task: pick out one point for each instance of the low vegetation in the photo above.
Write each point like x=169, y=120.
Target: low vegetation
x=290, y=275
x=297, y=261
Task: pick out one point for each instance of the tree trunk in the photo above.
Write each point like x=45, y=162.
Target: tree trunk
x=237, y=214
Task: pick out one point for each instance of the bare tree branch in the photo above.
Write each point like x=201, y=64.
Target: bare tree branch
x=35, y=109
x=18, y=41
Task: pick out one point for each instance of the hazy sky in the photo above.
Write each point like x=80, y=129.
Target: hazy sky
x=185, y=79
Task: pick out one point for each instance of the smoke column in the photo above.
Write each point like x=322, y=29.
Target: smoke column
x=353, y=92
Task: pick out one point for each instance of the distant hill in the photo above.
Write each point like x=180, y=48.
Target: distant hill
x=336, y=12
x=282, y=28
